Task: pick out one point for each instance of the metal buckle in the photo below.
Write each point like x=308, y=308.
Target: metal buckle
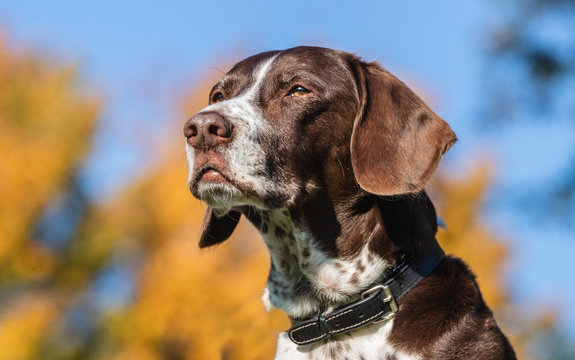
x=389, y=298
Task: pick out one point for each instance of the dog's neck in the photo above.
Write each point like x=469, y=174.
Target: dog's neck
x=324, y=253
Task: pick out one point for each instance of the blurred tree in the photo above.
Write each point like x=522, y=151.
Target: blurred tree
x=45, y=127
x=122, y=279
x=530, y=77
x=530, y=82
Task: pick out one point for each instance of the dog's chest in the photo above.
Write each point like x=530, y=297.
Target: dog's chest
x=368, y=343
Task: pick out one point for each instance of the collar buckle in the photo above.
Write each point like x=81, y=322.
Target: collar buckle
x=389, y=299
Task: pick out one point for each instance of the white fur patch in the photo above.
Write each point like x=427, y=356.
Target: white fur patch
x=286, y=251
x=338, y=279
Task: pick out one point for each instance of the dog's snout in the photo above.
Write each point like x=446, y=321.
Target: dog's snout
x=207, y=129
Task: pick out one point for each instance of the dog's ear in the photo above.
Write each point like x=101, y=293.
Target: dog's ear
x=216, y=229
x=397, y=140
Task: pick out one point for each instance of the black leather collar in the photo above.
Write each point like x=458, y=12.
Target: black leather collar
x=378, y=303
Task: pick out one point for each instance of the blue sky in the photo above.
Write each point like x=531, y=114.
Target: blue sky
x=142, y=55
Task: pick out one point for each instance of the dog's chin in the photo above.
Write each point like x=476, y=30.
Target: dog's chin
x=221, y=197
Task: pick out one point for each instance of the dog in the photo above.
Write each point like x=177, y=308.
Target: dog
x=327, y=156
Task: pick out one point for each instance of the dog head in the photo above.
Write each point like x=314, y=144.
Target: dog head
x=281, y=124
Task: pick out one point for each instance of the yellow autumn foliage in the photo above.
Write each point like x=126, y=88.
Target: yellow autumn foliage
x=24, y=325
x=45, y=131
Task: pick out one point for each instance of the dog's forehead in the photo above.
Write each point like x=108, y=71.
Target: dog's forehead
x=246, y=68
x=304, y=58
x=311, y=56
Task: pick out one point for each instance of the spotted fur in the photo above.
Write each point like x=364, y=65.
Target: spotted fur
x=305, y=280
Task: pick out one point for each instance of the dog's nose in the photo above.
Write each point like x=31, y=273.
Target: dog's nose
x=209, y=129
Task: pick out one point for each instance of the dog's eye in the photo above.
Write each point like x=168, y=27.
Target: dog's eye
x=299, y=91
x=217, y=97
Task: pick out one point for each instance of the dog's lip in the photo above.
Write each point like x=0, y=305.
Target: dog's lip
x=211, y=174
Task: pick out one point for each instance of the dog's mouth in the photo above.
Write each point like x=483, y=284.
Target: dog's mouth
x=209, y=175
x=213, y=182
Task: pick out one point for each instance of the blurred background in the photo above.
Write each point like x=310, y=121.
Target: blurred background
x=98, y=252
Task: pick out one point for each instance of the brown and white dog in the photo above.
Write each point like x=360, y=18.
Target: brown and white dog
x=327, y=156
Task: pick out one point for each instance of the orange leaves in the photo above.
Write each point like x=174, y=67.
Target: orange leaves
x=201, y=304
x=45, y=127
x=460, y=203
x=23, y=324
